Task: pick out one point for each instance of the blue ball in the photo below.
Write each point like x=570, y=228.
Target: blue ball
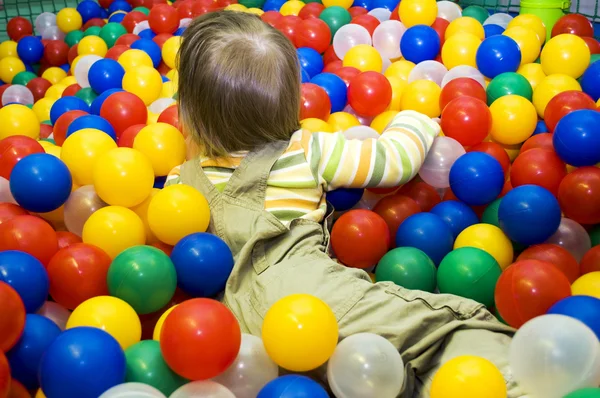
x=179, y=31
x=310, y=60
x=590, y=81
x=457, y=215
x=584, y=308
x=82, y=362
x=99, y=100
x=89, y=9
x=40, y=183
x=335, y=88
x=65, y=67
x=273, y=5
x=92, y=122
x=292, y=386
x=493, y=30
x=387, y=4
x=576, y=139
x=427, y=232
x=147, y=34
x=117, y=18
x=420, y=43
x=104, y=14
x=304, y=77
x=476, y=178
x=529, y=214
x=203, y=263
x=30, y=49
x=66, y=104
x=149, y=47
x=25, y=357
x=366, y=4
x=498, y=54
x=344, y=198
x=27, y=276
x=119, y=5
x=540, y=128
x=106, y=74
x=159, y=182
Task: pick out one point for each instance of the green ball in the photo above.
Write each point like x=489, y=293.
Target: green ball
x=252, y=3
x=508, y=83
x=477, y=12
x=144, y=277
x=87, y=94
x=335, y=17
x=407, y=267
x=145, y=364
x=313, y=1
x=111, y=32
x=50, y=140
x=584, y=393
x=92, y=31
x=48, y=122
x=594, y=58
x=73, y=37
x=143, y=10
x=471, y=273
x=23, y=78
x=595, y=235
x=36, y=68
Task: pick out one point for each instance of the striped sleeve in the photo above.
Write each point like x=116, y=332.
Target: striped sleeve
x=174, y=177
x=391, y=160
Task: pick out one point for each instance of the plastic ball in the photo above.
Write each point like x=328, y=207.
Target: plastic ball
x=589, y=81
x=460, y=86
x=591, y=261
x=9, y=68
x=82, y=203
x=106, y=74
x=30, y=49
x=436, y=168
x=428, y=70
x=169, y=51
x=460, y=49
x=448, y=10
x=427, y=232
x=133, y=59
x=364, y=58
x=408, y=267
x=144, y=82
x=467, y=120
x=81, y=151
x=44, y=21
x=68, y=19
x=422, y=96
x=92, y=45
x=513, y=119
x=565, y=54
x=552, y=85
x=456, y=214
x=343, y=199
x=550, y=339
x=508, y=83
x=492, y=30
x=579, y=195
x=573, y=237
x=394, y=209
x=583, y=308
x=13, y=320
x=123, y=110
x=528, y=42
x=498, y=54
x=418, y=12
x=532, y=22
x=539, y=166
x=128, y=389
x=18, y=120
x=18, y=27
x=565, y=103
x=553, y=254
x=17, y=94
x=163, y=145
x=26, y=275
x=468, y=377
x=14, y=149
x=292, y=384
x=488, y=238
x=420, y=43
x=476, y=178
x=82, y=362
x=369, y=93
x=572, y=139
x=67, y=104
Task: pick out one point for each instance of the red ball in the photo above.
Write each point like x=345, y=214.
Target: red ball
x=395, y=16
x=56, y=53
x=128, y=136
x=383, y=191
x=314, y=102
x=564, y=103
x=360, y=238
x=63, y=123
x=313, y=33
x=369, y=93
x=330, y=56
x=394, y=209
x=495, y=150
x=579, y=195
x=356, y=11
x=127, y=39
x=163, y=19
x=591, y=260
x=555, y=255
x=38, y=87
x=17, y=390
x=200, y=339
x=71, y=90
x=45, y=130
x=311, y=10
x=66, y=239
x=332, y=67
x=170, y=116
x=115, y=52
x=538, y=166
x=461, y=87
x=440, y=25
x=424, y=194
x=527, y=289
x=31, y=235
x=347, y=73
x=592, y=44
x=167, y=249
x=123, y=110
x=184, y=9
x=160, y=39
x=132, y=19
x=15, y=148
x=99, y=22
x=369, y=22
x=543, y=140
x=105, y=3
x=8, y=211
x=575, y=24
x=271, y=17
x=290, y=26
x=72, y=54
x=202, y=7
x=12, y=321
x=18, y=27
x=78, y=273
x=466, y=119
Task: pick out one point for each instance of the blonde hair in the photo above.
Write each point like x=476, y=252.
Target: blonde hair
x=239, y=83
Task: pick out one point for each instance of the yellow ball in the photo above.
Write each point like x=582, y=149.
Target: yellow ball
x=160, y=322
x=533, y=73
x=465, y=25
x=292, y=7
x=114, y=229
x=340, y=3
x=417, y=12
x=511, y=150
x=55, y=75
x=587, y=285
x=40, y=394
x=532, y=22
x=550, y=87
x=130, y=60
x=42, y=108
x=110, y=314
x=398, y=87
x=16, y=119
x=8, y=49
x=92, y=45
x=123, y=177
x=528, y=42
x=513, y=119
x=9, y=68
x=422, y=96
x=152, y=118
x=468, y=377
x=342, y=121
x=81, y=151
x=142, y=211
x=163, y=144
x=315, y=125
x=567, y=54
x=145, y=82
x=488, y=238
x=300, y=332
x=55, y=92
x=364, y=58
x=236, y=7
x=169, y=89
x=255, y=11
x=68, y=81
x=170, y=50
x=68, y=19
x=53, y=150
x=173, y=76
x=381, y=121
x=460, y=49
x=399, y=69
x=177, y=211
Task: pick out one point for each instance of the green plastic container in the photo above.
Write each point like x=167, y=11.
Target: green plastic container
x=549, y=11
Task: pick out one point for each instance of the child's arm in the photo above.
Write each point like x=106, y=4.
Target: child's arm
x=389, y=161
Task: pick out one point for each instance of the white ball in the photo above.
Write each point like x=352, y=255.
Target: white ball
x=349, y=36
x=500, y=19
x=82, y=69
x=132, y=390
x=386, y=39
x=141, y=26
x=463, y=71
x=428, y=70
x=382, y=14
x=44, y=21
x=442, y=155
x=448, y=10
x=202, y=389
x=17, y=94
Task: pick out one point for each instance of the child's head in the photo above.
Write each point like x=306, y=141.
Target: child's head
x=239, y=83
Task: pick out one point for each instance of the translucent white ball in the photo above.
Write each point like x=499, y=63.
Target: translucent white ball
x=5, y=194
x=463, y=71
x=349, y=36
x=386, y=38
x=428, y=70
x=160, y=105
x=141, y=26
x=571, y=236
x=17, y=94
x=132, y=390
x=44, y=21
x=500, y=19
x=436, y=168
x=56, y=313
x=53, y=33
x=448, y=10
x=82, y=69
x=382, y=14
x=202, y=389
